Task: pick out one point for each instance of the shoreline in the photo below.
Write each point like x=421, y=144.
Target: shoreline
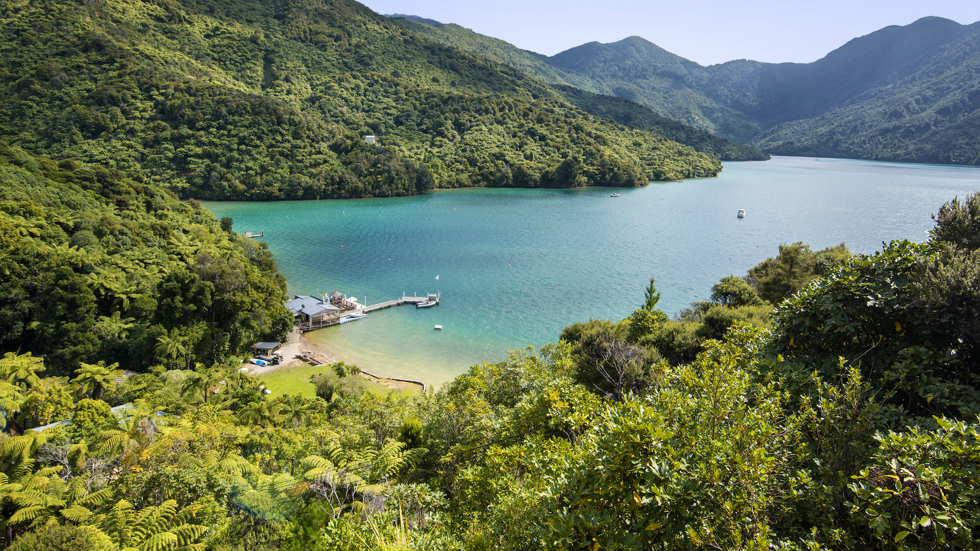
x=298, y=344
x=390, y=382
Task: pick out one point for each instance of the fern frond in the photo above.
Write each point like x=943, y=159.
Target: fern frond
x=23, y=470
x=110, y=440
x=78, y=453
x=315, y=461
x=26, y=514
x=76, y=513
x=235, y=466
x=299, y=489
x=334, y=452
x=187, y=534
x=188, y=461
x=283, y=482
x=153, y=520
x=30, y=498
x=159, y=542
x=96, y=499
x=21, y=448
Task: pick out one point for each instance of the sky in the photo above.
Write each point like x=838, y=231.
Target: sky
x=705, y=31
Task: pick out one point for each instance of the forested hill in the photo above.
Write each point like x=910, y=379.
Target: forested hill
x=605, y=104
x=906, y=93
x=250, y=99
x=96, y=266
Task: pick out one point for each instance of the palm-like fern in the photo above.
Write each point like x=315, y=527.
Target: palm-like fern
x=163, y=527
x=11, y=400
x=47, y=498
x=21, y=370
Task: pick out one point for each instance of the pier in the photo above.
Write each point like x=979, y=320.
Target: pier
x=327, y=322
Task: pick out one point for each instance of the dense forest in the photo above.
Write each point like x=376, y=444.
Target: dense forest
x=271, y=100
x=98, y=267
x=823, y=400
x=901, y=93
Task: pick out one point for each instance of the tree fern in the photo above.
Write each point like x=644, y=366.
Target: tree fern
x=155, y=528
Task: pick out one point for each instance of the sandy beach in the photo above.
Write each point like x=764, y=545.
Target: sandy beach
x=296, y=345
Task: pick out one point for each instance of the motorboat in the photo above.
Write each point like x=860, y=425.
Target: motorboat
x=439, y=327
x=430, y=300
x=741, y=213
x=353, y=317
x=615, y=195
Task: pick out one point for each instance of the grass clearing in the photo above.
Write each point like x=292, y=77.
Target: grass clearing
x=295, y=381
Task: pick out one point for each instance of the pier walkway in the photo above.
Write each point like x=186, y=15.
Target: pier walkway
x=310, y=326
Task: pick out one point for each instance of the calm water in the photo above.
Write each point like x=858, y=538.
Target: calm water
x=516, y=266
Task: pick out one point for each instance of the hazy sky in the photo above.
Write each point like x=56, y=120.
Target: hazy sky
x=705, y=31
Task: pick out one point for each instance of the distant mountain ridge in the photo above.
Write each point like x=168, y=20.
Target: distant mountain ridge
x=906, y=93
x=603, y=103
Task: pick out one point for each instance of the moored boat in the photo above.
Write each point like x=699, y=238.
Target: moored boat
x=741, y=213
x=353, y=317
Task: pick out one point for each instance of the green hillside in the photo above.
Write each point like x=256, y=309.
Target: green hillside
x=265, y=100
x=604, y=104
x=488, y=47
x=637, y=116
x=97, y=266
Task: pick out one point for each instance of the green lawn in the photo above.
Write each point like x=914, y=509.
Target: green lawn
x=296, y=381
x=293, y=380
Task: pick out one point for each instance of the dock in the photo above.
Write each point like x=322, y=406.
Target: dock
x=253, y=234
x=405, y=299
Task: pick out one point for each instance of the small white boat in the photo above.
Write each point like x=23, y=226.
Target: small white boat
x=425, y=304
x=439, y=327
x=353, y=317
x=614, y=195
x=741, y=213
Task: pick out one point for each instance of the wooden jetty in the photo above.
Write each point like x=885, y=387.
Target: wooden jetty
x=327, y=322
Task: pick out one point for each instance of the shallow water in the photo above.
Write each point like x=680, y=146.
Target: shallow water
x=517, y=266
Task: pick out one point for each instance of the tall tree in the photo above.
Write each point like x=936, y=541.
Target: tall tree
x=652, y=296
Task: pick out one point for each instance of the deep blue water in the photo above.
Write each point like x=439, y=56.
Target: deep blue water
x=516, y=266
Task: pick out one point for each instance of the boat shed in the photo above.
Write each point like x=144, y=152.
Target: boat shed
x=265, y=348
x=311, y=309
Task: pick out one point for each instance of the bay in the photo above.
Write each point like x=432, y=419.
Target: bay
x=516, y=266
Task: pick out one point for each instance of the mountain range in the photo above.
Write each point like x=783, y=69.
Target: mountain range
x=905, y=93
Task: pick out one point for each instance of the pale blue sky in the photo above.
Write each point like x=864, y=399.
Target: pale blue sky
x=706, y=31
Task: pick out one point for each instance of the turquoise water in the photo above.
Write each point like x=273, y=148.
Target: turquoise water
x=517, y=266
